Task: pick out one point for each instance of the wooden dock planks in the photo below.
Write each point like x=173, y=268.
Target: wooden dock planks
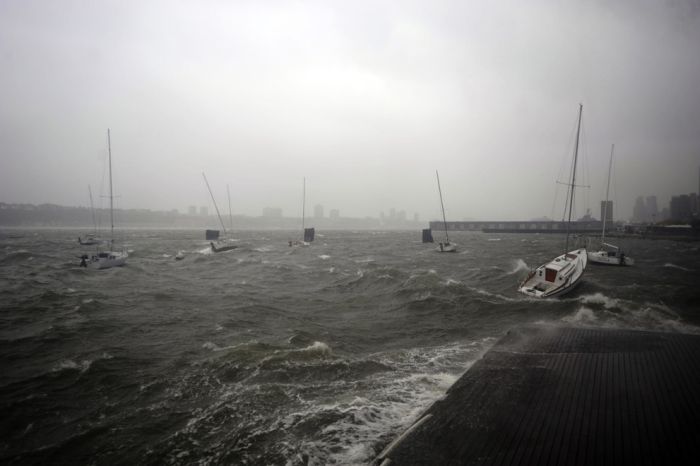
x=558, y=395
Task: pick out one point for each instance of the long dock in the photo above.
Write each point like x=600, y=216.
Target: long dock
x=557, y=395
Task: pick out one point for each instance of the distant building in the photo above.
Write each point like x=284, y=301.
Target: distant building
x=680, y=208
x=334, y=213
x=318, y=211
x=192, y=210
x=203, y=211
x=639, y=214
x=587, y=218
x=272, y=212
x=646, y=211
x=652, y=209
x=606, y=211
x=694, y=204
x=416, y=217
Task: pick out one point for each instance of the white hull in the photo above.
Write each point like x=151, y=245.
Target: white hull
x=556, y=277
x=89, y=241
x=294, y=244
x=107, y=260
x=609, y=258
x=446, y=247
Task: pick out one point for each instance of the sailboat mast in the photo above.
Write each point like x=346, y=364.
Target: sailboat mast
x=111, y=194
x=444, y=219
x=573, y=177
x=92, y=209
x=607, y=194
x=214, y=201
x=303, y=206
x=230, y=216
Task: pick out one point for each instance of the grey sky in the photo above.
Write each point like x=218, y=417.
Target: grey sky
x=364, y=98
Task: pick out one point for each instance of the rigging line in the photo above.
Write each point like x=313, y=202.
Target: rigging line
x=562, y=167
x=214, y=201
x=573, y=176
x=444, y=219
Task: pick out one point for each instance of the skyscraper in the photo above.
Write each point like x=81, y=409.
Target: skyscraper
x=639, y=214
x=680, y=208
x=606, y=213
x=652, y=209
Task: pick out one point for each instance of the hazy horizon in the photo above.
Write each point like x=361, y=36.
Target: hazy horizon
x=364, y=99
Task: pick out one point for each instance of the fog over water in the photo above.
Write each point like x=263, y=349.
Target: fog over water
x=365, y=99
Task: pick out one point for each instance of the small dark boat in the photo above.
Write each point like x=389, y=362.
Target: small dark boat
x=223, y=248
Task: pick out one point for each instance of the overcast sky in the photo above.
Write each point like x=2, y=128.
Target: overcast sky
x=366, y=99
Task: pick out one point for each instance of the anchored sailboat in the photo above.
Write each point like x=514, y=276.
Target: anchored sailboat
x=608, y=254
x=91, y=239
x=218, y=247
x=110, y=258
x=307, y=233
x=444, y=246
x=564, y=272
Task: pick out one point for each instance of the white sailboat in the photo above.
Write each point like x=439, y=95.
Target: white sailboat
x=608, y=254
x=219, y=246
x=564, y=272
x=91, y=239
x=307, y=233
x=109, y=258
x=444, y=246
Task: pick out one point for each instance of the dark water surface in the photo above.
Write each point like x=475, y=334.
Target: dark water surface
x=273, y=355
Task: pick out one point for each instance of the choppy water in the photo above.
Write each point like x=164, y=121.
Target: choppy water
x=272, y=355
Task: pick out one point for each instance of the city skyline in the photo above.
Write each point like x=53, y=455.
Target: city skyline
x=364, y=106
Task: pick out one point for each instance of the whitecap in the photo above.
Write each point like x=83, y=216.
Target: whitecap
x=317, y=347
x=582, y=315
x=324, y=257
x=600, y=298
x=519, y=265
x=69, y=364
x=674, y=266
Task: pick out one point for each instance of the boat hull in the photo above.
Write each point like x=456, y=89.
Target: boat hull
x=557, y=277
x=446, y=247
x=107, y=260
x=604, y=258
x=222, y=248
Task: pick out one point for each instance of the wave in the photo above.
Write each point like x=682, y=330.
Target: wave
x=600, y=310
x=14, y=257
x=600, y=298
x=81, y=366
x=679, y=267
x=518, y=265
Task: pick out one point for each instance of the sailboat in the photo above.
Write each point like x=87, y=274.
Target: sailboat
x=608, y=254
x=91, y=239
x=110, y=258
x=218, y=247
x=307, y=233
x=564, y=272
x=444, y=246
